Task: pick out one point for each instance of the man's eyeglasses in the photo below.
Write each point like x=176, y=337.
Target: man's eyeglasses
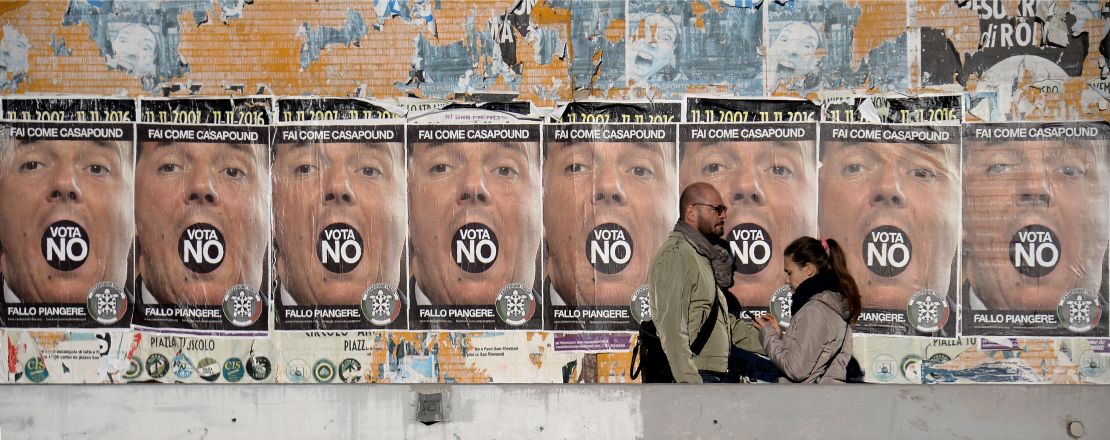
x=719, y=209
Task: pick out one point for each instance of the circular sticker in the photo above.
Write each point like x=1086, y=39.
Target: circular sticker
x=339, y=248
x=182, y=366
x=1034, y=251
x=1092, y=364
x=65, y=245
x=750, y=245
x=106, y=303
x=242, y=305
x=233, y=370
x=258, y=367
x=781, y=301
x=208, y=369
x=201, y=248
x=640, y=304
x=297, y=371
x=35, y=370
x=515, y=304
x=1079, y=310
x=157, y=366
x=911, y=368
x=927, y=310
x=609, y=248
x=884, y=368
x=381, y=305
x=474, y=247
x=350, y=370
x=887, y=251
x=134, y=369
x=323, y=371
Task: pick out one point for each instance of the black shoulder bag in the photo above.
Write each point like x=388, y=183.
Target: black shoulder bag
x=653, y=361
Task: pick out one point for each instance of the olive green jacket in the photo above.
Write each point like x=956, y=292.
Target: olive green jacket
x=682, y=291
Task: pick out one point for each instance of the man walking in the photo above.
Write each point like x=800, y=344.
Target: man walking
x=688, y=278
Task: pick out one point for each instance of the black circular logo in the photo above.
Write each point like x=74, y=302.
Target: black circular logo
x=1034, y=251
x=474, y=247
x=515, y=304
x=887, y=251
x=609, y=248
x=380, y=304
x=202, y=248
x=157, y=366
x=339, y=248
x=750, y=245
x=258, y=367
x=65, y=245
x=106, y=303
x=350, y=370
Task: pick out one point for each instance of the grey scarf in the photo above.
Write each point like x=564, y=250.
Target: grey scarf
x=718, y=256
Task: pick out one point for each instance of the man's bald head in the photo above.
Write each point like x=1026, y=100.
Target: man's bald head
x=698, y=192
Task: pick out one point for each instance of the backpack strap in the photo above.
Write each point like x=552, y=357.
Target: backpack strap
x=707, y=326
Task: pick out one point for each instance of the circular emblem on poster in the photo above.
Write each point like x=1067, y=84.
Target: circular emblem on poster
x=106, y=303
x=157, y=366
x=1034, y=251
x=884, y=368
x=887, y=251
x=208, y=369
x=233, y=370
x=296, y=371
x=927, y=310
x=258, y=367
x=640, y=306
x=1079, y=310
x=381, y=305
x=201, y=248
x=65, y=245
x=242, y=305
x=134, y=369
x=350, y=370
x=339, y=248
x=515, y=304
x=781, y=301
x=750, y=246
x=609, y=248
x=323, y=371
x=474, y=247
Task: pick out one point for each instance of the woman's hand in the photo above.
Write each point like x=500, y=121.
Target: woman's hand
x=767, y=320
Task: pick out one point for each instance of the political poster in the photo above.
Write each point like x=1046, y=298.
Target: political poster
x=475, y=222
x=1036, y=228
x=66, y=213
x=610, y=198
x=202, y=216
x=890, y=197
x=766, y=174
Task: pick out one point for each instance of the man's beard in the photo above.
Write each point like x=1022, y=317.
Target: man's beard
x=708, y=227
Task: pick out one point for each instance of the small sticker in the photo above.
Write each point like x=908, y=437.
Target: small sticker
x=339, y=248
x=609, y=248
x=350, y=371
x=65, y=245
x=233, y=370
x=884, y=368
x=134, y=369
x=208, y=369
x=258, y=367
x=927, y=310
x=515, y=304
x=297, y=371
x=1079, y=310
x=35, y=370
x=641, y=304
x=106, y=303
x=242, y=305
x=323, y=371
x=474, y=247
x=201, y=248
x=157, y=366
x=182, y=366
x=381, y=305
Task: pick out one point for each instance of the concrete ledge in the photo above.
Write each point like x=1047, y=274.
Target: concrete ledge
x=553, y=411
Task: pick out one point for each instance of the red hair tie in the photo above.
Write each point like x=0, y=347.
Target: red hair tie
x=825, y=244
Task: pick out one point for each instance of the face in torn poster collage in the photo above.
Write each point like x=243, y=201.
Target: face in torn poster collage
x=235, y=217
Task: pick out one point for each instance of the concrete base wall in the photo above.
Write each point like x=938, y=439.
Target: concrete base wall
x=555, y=411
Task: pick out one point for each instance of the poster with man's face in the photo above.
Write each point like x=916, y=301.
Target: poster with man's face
x=610, y=199
x=340, y=222
x=890, y=196
x=475, y=225
x=767, y=177
x=66, y=192
x=202, y=209
x=1036, y=229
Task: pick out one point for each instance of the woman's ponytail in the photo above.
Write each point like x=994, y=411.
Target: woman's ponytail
x=848, y=286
